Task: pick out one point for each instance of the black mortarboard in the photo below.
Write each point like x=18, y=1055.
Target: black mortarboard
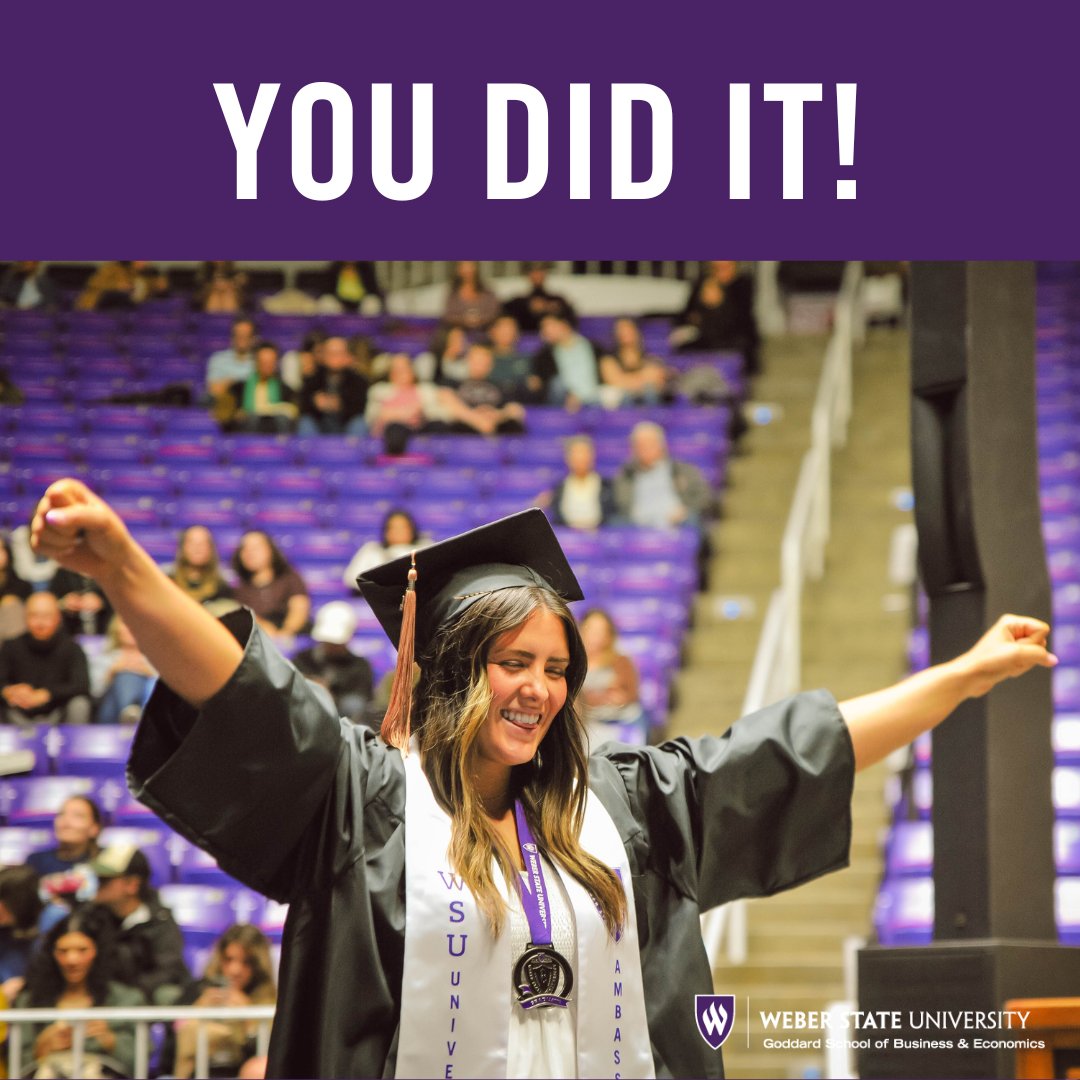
x=518, y=550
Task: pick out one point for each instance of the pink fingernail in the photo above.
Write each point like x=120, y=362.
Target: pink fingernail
x=55, y=517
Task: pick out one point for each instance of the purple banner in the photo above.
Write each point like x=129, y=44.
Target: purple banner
x=949, y=124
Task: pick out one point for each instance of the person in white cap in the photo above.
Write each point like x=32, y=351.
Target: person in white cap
x=331, y=663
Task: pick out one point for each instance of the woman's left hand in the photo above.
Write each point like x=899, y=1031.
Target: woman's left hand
x=1012, y=646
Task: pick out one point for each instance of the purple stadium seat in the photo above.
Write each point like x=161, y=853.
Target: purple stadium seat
x=904, y=912
x=1063, y=532
x=19, y=841
x=33, y=450
x=261, y=450
x=336, y=451
x=36, y=800
x=520, y=482
x=120, y=420
x=154, y=482
x=336, y=548
x=42, y=419
x=529, y=452
x=48, y=391
x=1067, y=905
x=552, y=424
x=142, y=510
x=1065, y=735
x=1066, y=789
x=160, y=543
x=1067, y=847
x=579, y=544
x=455, y=450
x=203, y=912
x=214, y=513
x=177, y=452
x=29, y=320
x=1063, y=565
x=286, y=481
x=91, y=749
x=186, y=424
x=153, y=842
x=196, y=867
x=364, y=517
x=647, y=646
x=272, y=919
x=105, y=450
x=274, y=513
x=1066, y=682
x=212, y=481
x=99, y=322
x=1066, y=602
x=13, y=739
x=910, y=850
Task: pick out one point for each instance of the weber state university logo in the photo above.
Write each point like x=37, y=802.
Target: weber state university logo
x=715, y=1016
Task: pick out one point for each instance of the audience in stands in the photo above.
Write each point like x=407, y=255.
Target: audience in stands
x=130, y=677
x=240, y=972
x=270, y=586
x=583, y=499
x=332, y=664
x=529, y=310
x=220, y=287
x=74, y=970
x=720, y=315
x=470, y=304
x=300, y=364
x=197, y=569
x=262, y=403
x=82, y=602
x=398, y=536
x=25, y=918
x=43, y=673
x=566, y=371
x=234, y=364
x=354, y=282
x=335, y=395
x=512, y=365
x=401, y=406
x=609, y=696
x=149, y=948
x=121, y=286
x=444, y=362
x=26, y=286
x=478, y=405
x=13, y=594
x=654, y=490
x=64, y=868
x=630, y=375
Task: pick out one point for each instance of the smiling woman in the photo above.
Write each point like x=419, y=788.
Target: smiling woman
x=404, y=853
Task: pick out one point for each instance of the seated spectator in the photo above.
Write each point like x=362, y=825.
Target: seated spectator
x=566, y=371
x=583, y=499
x=630, y=375
x=234, y=364
x=653, y=490
x=470, y=304
x=609, y=696
x=444, y=362
x=720, y=315
x=25, y=918
x=262, y=403
x=401, y=406
x=122, y=286
x=13, y=594
x=149, y=949
x=512, y=366
x=478, y=405
x=240, y=973
x=197, y=569
x=332, y=664
x=64, y=869
x=398, y=536
x=529, y=310
x=300, y=364
x=26, y=286
x=220, y=287
x=334, y=397
x=354, y=282
x=273, y=590
x=130, y=677
x=82, y=603
x=43, y=673
x=74, y=970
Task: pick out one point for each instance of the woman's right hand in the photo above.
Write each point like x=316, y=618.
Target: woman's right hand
x=79, y=530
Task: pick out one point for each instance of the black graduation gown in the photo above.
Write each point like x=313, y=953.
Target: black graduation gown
x=310, y=810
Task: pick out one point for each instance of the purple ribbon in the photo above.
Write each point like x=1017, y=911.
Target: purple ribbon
x=534, y=890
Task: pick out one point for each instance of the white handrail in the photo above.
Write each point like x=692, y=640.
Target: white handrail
x=142, y=1016
x=777, y=667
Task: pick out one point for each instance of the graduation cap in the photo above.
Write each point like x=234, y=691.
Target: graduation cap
x=417, y=595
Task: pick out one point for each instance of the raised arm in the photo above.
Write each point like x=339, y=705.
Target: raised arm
x=888, y=719
x=193, y=652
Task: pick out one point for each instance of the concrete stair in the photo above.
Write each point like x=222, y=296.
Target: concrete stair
x=854, y=639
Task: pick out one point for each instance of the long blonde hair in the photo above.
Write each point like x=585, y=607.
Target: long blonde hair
x=453, y=702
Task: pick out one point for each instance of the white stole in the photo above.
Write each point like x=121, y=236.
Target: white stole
x=456, y=984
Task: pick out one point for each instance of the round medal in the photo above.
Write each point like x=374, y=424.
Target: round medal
x=543, y=978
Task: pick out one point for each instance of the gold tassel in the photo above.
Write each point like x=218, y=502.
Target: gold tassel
x=396, y=725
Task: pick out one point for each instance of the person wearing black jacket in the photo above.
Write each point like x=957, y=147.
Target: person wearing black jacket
x=333, y=399
x=43, y=673
x=566, y=371
x=149, y=951
x=529, y=310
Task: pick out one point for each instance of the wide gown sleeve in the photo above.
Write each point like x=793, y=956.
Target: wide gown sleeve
x=245, y=776
x=764, y=807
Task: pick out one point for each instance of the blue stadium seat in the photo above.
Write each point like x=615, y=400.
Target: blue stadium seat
x=36, y=800
x=19, y=841
x=91, y=749
x=904, y=912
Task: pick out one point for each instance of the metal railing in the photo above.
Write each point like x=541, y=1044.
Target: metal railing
x=777, y=668
x=142, y=1016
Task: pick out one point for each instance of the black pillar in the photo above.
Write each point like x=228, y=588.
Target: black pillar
x=981, y=553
